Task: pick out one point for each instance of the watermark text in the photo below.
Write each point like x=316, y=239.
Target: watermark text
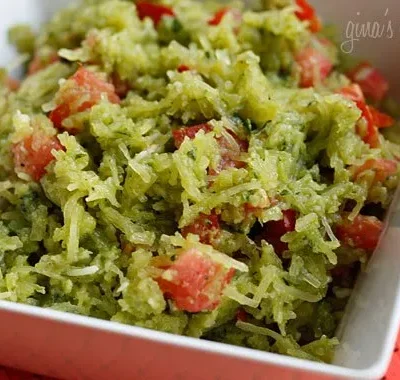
x=355, y=31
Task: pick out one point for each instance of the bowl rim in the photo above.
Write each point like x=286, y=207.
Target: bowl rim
x=375, y=371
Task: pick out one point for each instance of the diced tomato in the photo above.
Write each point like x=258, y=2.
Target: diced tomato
x=81, y=92
x=383, y=169
x=250, y=209
x=127, y=248
x=372, y=82
x=12, y=84
x=307, y=12
x=363, y=232
x=243, y=144
x=95, y=86
x=190, y=132
x=230, y=156
x=314, y=67
x=154, y=11
x=373, y=117
x=353, y=92
x=241, y=315
x=195, y=282
x=122, y=87
x=380, y=119
x=219, y=15
x=183, y=68
x=371, y=135
x=39, y=63
x=34, y=153
x=59, y=114
x=205, y=226
x=274, y=230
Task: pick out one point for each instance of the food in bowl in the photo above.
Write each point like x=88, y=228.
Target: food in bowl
x=194, y=168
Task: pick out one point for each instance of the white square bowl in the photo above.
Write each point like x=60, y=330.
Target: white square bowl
x=74, y=347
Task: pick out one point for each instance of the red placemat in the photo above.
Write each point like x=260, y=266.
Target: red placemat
x=12, y=374
x=394, y=370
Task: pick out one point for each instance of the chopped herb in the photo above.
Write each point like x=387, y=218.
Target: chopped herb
x=192, y=154
x=208, y=222
x=266, y=124
x=176, y=26
x=249, y=125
